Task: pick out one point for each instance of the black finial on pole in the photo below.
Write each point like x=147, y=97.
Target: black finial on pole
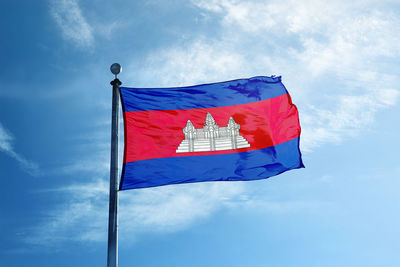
x=116, y=69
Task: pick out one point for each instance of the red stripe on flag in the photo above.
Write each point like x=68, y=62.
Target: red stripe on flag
x=158, y=133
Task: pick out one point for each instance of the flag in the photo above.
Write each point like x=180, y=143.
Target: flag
x=246, y=129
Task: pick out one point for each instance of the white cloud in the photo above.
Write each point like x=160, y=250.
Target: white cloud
x=82, y=218
x=93, y=165
x=6, y=140
x=166, y=209
x=285, y=17
x=337, y=58
x=68, y=16
x=170, y=208
x=198, y=62
x=352, y=114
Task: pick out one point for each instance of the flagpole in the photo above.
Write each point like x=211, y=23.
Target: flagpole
x=112, y=256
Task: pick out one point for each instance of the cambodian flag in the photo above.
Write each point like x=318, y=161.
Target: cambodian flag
x=245, y=129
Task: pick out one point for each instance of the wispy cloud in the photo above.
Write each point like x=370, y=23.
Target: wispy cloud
x=336, y=58
x=166, y=209
x=352, y=114
x=74, y=26
x=6, y=145
x=172, y=208
x=200, y=61
x=82, y=217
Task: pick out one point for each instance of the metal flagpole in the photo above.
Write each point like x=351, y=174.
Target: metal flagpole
x=112, y=256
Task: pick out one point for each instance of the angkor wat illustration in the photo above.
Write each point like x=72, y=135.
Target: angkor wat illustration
x=212, y=137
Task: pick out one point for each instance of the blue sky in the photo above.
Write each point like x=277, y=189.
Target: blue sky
x=340, y=62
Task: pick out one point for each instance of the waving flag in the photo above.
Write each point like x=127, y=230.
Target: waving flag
x=245, y=129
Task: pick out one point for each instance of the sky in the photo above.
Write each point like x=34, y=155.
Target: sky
x=338, y=59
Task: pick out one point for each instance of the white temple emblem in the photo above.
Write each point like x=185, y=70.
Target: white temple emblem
x=212, y=137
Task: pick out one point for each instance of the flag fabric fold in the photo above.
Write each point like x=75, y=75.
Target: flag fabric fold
x=246, y=129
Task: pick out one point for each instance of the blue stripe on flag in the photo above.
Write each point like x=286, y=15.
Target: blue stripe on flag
x=244, y=166
x=229, y=93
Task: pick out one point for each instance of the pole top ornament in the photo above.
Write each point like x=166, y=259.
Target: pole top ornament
x=116, y=69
